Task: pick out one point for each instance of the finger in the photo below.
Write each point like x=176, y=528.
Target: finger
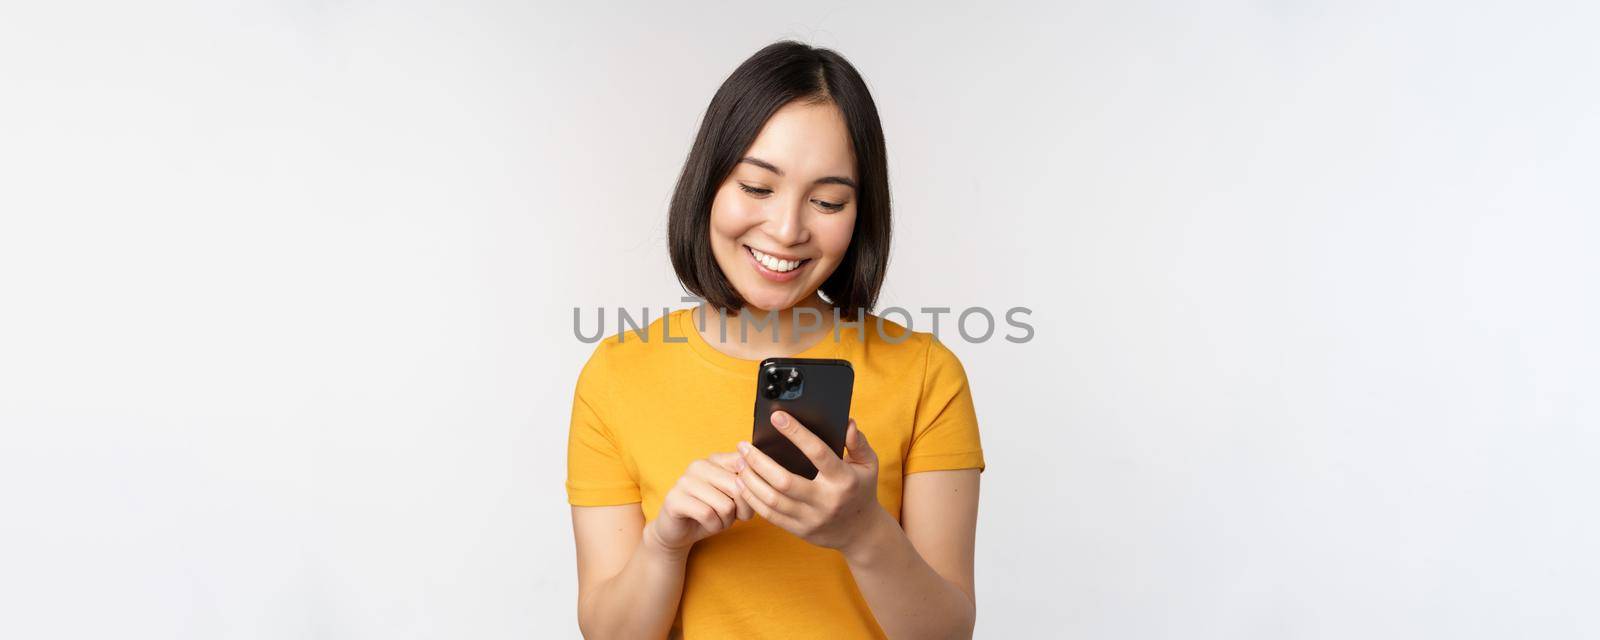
x=689, y=507
x=766, y=511
x=815, y=449
x=717, y=500
x=753, y=484
x=774, y=474
x=716, y=471
x=743, y=511
x=856, y=447
x=728, y=460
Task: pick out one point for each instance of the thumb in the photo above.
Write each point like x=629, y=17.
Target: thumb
x=856, y=447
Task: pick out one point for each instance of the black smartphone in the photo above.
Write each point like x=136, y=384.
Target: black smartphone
x=816, y=392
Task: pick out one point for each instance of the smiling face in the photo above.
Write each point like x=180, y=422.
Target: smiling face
x=782, y=220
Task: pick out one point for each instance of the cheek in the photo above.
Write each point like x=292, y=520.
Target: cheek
x=732, y=216
x=834, y=233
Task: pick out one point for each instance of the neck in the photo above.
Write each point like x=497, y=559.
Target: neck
x=767, y=334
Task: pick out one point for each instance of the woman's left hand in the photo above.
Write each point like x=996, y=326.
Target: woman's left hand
x=830, y=511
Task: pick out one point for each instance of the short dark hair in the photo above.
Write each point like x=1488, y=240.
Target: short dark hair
x=776, y=75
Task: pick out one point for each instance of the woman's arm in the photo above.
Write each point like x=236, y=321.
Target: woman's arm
x=917, y=575
x=628, y=587
x=918, y=581
x=630, y=575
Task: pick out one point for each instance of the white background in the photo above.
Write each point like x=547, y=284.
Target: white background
x=286, y=344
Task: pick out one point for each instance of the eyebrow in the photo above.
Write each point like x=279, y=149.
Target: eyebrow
x=773, y=168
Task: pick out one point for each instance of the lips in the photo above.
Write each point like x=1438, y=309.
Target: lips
x=775, y=263
x=774, y=268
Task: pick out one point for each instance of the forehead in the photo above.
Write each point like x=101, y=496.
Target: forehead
x=806, y=141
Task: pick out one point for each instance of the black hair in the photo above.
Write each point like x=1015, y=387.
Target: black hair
x=778, y=74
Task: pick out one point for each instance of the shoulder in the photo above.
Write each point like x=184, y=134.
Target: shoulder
x=629, y=348
x=885, y=341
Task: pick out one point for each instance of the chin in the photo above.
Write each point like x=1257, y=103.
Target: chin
x=768, y=300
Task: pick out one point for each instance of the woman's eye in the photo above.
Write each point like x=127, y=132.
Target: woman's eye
x=755, y=191
x=831, y=206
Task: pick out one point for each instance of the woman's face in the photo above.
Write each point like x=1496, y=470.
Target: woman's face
x=782, y=221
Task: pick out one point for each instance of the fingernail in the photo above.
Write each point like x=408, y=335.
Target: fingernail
x=780, y=419
x=738, y=465
x=744, y=447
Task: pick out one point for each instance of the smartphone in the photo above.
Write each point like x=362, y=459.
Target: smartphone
x=816, y=392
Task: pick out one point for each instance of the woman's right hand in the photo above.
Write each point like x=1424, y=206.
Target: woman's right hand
x=706, y=500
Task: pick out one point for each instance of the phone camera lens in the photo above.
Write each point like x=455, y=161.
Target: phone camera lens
x=781, y=382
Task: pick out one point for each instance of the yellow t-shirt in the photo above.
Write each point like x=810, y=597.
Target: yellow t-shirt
x=645, y=408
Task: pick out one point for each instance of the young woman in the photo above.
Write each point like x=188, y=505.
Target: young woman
x=683, y=529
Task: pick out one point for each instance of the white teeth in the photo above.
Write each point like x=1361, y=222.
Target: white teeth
x=774, y=263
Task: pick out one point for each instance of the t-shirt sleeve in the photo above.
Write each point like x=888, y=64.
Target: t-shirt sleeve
x=596, y=473
x=945, y=433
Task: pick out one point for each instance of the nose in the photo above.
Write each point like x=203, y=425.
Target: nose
x=786, y=223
